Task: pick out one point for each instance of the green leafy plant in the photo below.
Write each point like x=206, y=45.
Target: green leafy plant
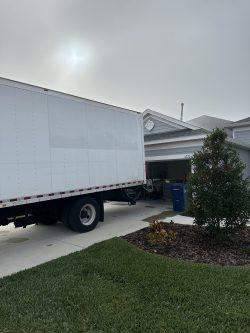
x=219, y=196
x=159, y=235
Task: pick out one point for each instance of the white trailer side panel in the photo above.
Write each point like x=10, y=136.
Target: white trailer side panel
x=52, y=142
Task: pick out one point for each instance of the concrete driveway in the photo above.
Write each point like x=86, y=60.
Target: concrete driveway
x=24, y=248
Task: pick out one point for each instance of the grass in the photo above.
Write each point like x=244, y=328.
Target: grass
x=115, y=287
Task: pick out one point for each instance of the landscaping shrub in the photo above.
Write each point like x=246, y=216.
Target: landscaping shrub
x=159, y=235
x=219, y=196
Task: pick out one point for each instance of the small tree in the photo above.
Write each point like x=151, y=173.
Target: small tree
x=219, y=195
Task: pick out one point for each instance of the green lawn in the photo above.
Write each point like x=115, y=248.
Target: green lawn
x=114, y=287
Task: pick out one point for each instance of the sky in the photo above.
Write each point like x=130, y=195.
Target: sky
x=137, y=54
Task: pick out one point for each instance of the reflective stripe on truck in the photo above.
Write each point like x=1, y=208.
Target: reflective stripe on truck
x=64, y=194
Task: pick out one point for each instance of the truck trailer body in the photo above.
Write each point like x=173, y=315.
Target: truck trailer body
x=60, y=153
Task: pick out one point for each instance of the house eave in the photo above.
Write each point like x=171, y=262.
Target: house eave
x=168, y=157
x=192, y=138
x=178, y=139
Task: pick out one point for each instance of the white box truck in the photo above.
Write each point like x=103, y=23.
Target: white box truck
x=62, y=156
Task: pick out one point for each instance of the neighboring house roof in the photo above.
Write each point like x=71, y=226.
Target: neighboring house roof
x=242, y=120
x=209, y=123
x=168, y=119
x=240, y=123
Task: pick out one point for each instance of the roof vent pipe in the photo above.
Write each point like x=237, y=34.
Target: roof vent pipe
x=182, y=107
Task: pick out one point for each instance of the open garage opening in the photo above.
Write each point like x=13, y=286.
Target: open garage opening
x=161, y=174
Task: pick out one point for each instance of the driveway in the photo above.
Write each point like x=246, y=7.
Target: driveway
x=24, y=248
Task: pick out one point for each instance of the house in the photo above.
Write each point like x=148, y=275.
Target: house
x=170, y=143
x=240, y=130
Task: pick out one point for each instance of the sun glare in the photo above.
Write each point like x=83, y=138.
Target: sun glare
x=73, y=57
x=76, y=58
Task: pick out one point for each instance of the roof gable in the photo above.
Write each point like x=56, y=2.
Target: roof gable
x=155, y=122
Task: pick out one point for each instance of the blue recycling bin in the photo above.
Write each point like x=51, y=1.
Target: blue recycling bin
x=178, y=196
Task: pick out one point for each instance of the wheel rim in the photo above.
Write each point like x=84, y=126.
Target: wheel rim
x=87, y=214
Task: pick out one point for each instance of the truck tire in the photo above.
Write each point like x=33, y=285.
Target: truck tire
x=84, y=214
x=65, y=214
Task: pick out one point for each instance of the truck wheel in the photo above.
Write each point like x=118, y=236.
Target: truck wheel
x=84, y=214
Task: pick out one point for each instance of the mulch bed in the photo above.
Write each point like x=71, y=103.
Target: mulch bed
x=193, y=246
